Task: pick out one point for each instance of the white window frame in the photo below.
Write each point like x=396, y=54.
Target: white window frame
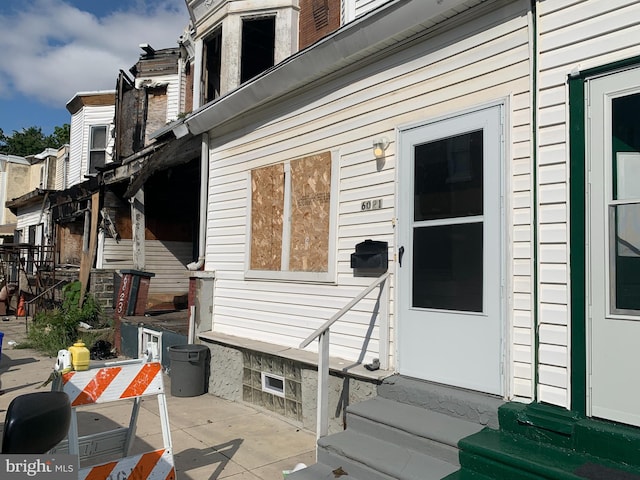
x=284, y=274
x=269, y=388
x=91, y=149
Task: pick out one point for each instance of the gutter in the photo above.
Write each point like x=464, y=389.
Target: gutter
x=534, y=199
x=391, y=24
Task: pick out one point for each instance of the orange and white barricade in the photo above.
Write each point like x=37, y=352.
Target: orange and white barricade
x=117, y=381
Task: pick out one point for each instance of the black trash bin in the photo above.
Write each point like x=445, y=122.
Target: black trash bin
x=188, y=369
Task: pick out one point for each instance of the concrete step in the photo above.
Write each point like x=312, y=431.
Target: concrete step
x=369, y=458
x=317, y=471
x=471, y=406
x=430, y=433
x=410, y=431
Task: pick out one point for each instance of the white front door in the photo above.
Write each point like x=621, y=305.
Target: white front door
x=450, y=251
x=613, y=254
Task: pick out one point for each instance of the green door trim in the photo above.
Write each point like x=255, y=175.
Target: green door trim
x=577, y=212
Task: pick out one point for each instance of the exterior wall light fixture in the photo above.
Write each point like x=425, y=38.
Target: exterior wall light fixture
x=379, y=146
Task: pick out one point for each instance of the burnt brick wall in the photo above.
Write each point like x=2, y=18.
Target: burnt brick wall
x=156, y=110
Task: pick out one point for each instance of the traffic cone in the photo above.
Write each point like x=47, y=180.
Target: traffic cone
x=21, y=311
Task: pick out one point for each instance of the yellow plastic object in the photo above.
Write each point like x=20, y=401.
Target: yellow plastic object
x=79, y=356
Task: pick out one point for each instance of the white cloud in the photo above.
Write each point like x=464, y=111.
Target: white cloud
x=51, y=49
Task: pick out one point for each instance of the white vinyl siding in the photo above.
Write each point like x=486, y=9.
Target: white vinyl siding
x=28, y=216
x=172, y=82
x=352, y=9
x=81, y=123
x=445, y=75
x=173, y=98
x=62, y=166
x=573, y=35
x=167, y=260
x=76, y=146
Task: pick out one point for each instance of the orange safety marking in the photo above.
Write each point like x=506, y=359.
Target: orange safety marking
x=96, y=386
x=172, y=474
x=146, y=464
x=67, y=376
x=144, y=377
x=101, y=472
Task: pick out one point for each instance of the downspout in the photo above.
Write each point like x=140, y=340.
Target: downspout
x=65, y=170
x=204, y=195
x=534, y=190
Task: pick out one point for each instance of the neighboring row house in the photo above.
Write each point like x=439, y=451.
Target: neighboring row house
x=84, y=210
x=24, y=220
x=487, y=150
x=14, y=181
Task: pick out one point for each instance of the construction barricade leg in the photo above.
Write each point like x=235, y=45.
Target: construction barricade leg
x=132, y=380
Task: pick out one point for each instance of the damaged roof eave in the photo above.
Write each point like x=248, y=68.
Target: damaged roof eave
x=30, y=198
x=136, y=169
x=373, y=33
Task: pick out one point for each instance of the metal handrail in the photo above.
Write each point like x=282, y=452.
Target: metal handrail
x=326, y=325
x=322, y=334
x=44, y=292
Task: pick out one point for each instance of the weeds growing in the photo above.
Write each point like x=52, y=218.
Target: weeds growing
x=56, y=329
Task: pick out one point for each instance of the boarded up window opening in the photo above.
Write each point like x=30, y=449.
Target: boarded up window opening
x=267, y=208
x=310, y=213
x=156, y=114
x=306, y=194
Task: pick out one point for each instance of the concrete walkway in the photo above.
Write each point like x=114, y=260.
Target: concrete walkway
x=212, y=438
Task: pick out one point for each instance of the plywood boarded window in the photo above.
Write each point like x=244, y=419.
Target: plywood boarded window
x=267, y=209
x=310, y=213
x=291, y=219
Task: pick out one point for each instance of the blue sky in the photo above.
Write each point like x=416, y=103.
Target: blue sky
x=52, y=49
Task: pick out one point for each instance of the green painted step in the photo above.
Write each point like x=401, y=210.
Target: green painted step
x=566, y=429
x=502, y=455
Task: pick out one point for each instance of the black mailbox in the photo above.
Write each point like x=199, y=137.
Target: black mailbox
x=370, y=258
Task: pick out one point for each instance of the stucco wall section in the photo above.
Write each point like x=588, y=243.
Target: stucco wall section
x=342, y=392
x=225, y=380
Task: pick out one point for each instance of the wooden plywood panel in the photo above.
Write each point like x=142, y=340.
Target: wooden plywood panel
x=267, y=207
x=88, y=257
x=310, y=213
x=70, y=243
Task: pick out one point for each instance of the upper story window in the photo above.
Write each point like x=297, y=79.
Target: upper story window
x=97, y=147
x=258, y=46
x=212, y=59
